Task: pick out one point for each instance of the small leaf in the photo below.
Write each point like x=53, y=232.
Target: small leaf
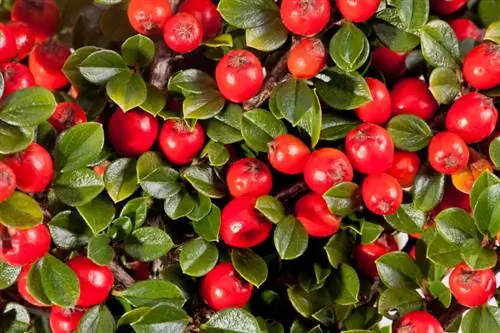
x=271, y=208
x=338, y=249
x=335, y=127
x=155, y=100
x=440, y=44
x=78, y=187
x=440, y=251
x=441, y=292
x=290, y=238
x=208, y=227
x=267, y=37
x=248, y=14
x=225, y=126
x=346, y=285
x=120, y=179
x=148, y=163
x=101, y=66
x=137, y=210
x=407, y=219
x=476, y=256
x=428, y=190
x=456, y=225
x=162, y=318
x=396, y=39
x=120, y=228
x=495, y=152
x=409, y=132
x=203, y=106
x=198, y=257
x=71, y=67
x=250, y=266
x=60, y=283
x=14, y=139
x=162, y=183
x=128, y=90
x=402, y=300
x=481, y=319
x=219, y=41
x=148, y=244
x=307, y=303
x=488, y=12
x=398, y=270
x=258, y=127
x=205, y=181
x=343, y=198
x=370, y=232
x=485, y=179
x=349, y=47
x=444, y=85
x=232, y=321
x=312, y=121
x=20, y=211
x=293, y=98
x=191, y=81
x=98, y=213
x=217, y=153
x=486, y=212
x=413, y=13
x=202, y=206
x=68, y=230
x=8, y=275
x=152, y=292
x=138, y=50
x=14, y=318
x=97, y=319
x=99, y=250
x=28, y=107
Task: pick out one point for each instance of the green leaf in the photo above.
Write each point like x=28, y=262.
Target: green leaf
x=60, y=284
x=68, y=230
x=208, y=227
x=137, y=210
x=440, y=251
x=248, y=14
x=148, y=163
x=485, y=179
x=78, y=187
x=198, y=257
x=28, y=107
x=349, y=47
x=370, y=232
x=413, y=13
x=8, y=275
x=440, y=44
x=338, y=249
x=486, y=213
x=152, y=292
x=14, y=139
x=128, y=90
x=138, y=50
x=155, y=100
x=132, y=316
x=162, y=183
x=343, y=198
x=148, y=244
x=120, y=228
x=34, y=283
x=456, y=225
x=219, y=41
x=267, y=37
x=481, y=319
x=395, y=38
x=202, y=207
x=335, y=126
x=476, y=256
x=428, y=190
x=271, y=208
x=259, y=127
x=98, y=213
x=409, y=132
x=441, y=292
x=15, y=318
x=407, y=219
x=191, y=81
x=495, y=152
x=203, y=106
x=307, y=303
x=493, y=32
x=217, y=153
x=99, y=250
x=100, y=66
x=205, y=181
x=71, y=67
x=293, y=98
x=398, y=270
x=402, y=300
x=489, y=12
x=312, y=121
x=444, y=85
x=345, y=287
x=225, y=126
x=250, y=266
x=162, y=318
x=290, y=238
x=232, y=321
x=97, y=319
x=120, y=179
x=20, y=211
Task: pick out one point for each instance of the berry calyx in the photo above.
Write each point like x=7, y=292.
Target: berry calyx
x=67, y=115
x=8, y=48
x=411, y=96
x=24, y=39
x=307, y=58
x=419, y=322
x=41, y=17
x=448, y=153
x=249, y=176
x=65, y=320
x=391, y=64
x=470, y=287
x=46, y=62
x=205, y=12
x=305, y=17
x=405, y=167
x=312, y=211
x=466, y=29
x=148, y=17
x=366, y=254
x=481, y=67
x=378, y=111
x=7, y=181
x=20, y=247
x=16, y=77
x=22, y=282
x=183, y=33
x=179, y=143
x=382, y=193
x=357, y=10
x=288, y=154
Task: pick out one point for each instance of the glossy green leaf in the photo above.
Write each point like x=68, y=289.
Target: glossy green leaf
x=8, y=275
x=346, y=285
x=444, y=85
x=68, y=230
x=14, y=318
x=120, y=179
x=71, y=67
x=14, y=139
x=162, y=318
x=148, y=244
x=217, y=153
x=205, y=180
x=343, y=198
x=441, y=292
x=202, y=206
x=98, y=213
x=481, y=319
x=428, y=190
x=148, y=163
x=403, y=300
x=97, y=319
x=409, y=132
x=78, y=187
x=476, y=256
x=439, y=44
x=398, y=270
x=440, y=251
x=137, y=210
x=335, y=126
x=152, y=292
x=28, y=107
x=485, y=179
x=259, y=127
x=349, y=47
x=155, y=100
x=100, y=66
x=312, y=121
x=338, y=249
x=191, y=81
x=99, y=250
x=203, y=106
x=208, y=227
x=138, y=50
x=219, y=41
x=413, y=13
x=489, y=11
x=162, y=183
x=271, y=208
x=225, y=126
x=456, y=225
x=494, y=152
x=60, y=284
x=248, y=14
x=396, y=39
x=370, y=232
x=20, y=211
x=198, y=257
x=486, y=214
x=407, y=219
x=250, y=266
x=267, y=37
x=293, y=98
x=120, y=228
x=290, y=238
x=232, y=321
x=127, y=89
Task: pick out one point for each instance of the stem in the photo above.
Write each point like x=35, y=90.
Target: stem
x=292, y=192
x=163, y=65
x=121, y=275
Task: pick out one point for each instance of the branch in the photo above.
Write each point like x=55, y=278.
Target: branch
x=292, y=192
x=163, y=65
x=121, y=275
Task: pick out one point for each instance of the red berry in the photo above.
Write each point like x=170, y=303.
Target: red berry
x=46, y=62
x=41, y=17
x=148, y=17
x=20, y=247
x=222, y=288
x=357, y=10
x=307, y=58
x=65, y=320
x=382, y=193
x=473, y=117
x=391, y=64
x=205, y=12
x=7, y=44
x=16, y=77
x=239, y=75
x=133, y=132
x=411, y=96
x=22, y=288
x=471, y=287
x=305, y=17
x=448, y=153
x=405, y=167
x=447, y=7
x=183, y=33
x=101, y=168
x=312, y=211
x=370, y=148
x=378, y=111
x=419, y=322
x=67, y=115
x=24, y=39
x=366, y=254
x=179, y=143
x=7, y=182
x=241, y=225
x=466, y=29
x=288, y=154
x=481, y=67
x=249, y=176
x=325, y=168
x=95, y=281
x=33, y=168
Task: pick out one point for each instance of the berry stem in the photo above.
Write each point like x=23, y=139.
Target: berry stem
x=163, y=65
x=121, y=275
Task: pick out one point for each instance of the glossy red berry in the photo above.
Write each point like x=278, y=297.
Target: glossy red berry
x=448, y=153
x=466, y=29
x=311, y=210
x=473, y=117
x=7, y=44
x=249, y=176
x=481, y=67
x=411, y=96
x=370, y=148
x=183, y=33
x=65, y=320
x=357, y=10
x=67, y=115
x=405, y=167
x=305, y=17
x=148, y=17
x=20, y=247
x=133, y=132
x=447, y=7
x=419, y=322
x=470, y=287
x=239, y=75
x=222, y=288
x=16, y=76
x=22, y=288
x=205, y=12
x=378, y=111
x=391, y=64
x=382, y=193
x=241, y=225
x=179, y=143
x=46, y=62
x=95, y=281
x=33, y=168
x=366, y=254
x=288, y=154
x=325, y=168
x=307, y=58
x=24, y=39
x=41, y=17
x=7, y=181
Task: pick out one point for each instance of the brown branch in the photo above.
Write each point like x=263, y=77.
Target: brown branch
x=292, y=192
x=121, y=275
x=163, y=65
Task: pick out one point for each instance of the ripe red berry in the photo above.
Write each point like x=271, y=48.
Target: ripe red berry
x=16, y=76
x=382, y=193
x=241, y=225
x=33, y=168
x=305, y=17
x=22, y=288
x=448, y=153
x=7, y=44
x=378, y=111
x=183, y=33
x=391, y=64
x=311, y=210
x=101, y=168
x=366, y=254
x=222, y=288
x=41, y=17
x=7, y=182
x=205, y=12
x=481, y=67
x=67, y=115
x=148, y=17
x=133, y=132
x=325, y=168
x=473, y=117
x=470, y=287
x=405, y=167
x=357, y=10
x=249, y=176
x=370, y=148
x=46, y=62
x=239, y=75
x=307, y=58
x=65, y=320
x=466, y=29
x=95, y=281
x=288, y=154
x=24, y=39
x=447, y=7
x=411, y=96
x=20, y=247
x=179, y=143
x=419, y=322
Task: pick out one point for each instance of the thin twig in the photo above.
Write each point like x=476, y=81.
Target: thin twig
x=292, y=192
x=121, y=275
x=163, y=65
